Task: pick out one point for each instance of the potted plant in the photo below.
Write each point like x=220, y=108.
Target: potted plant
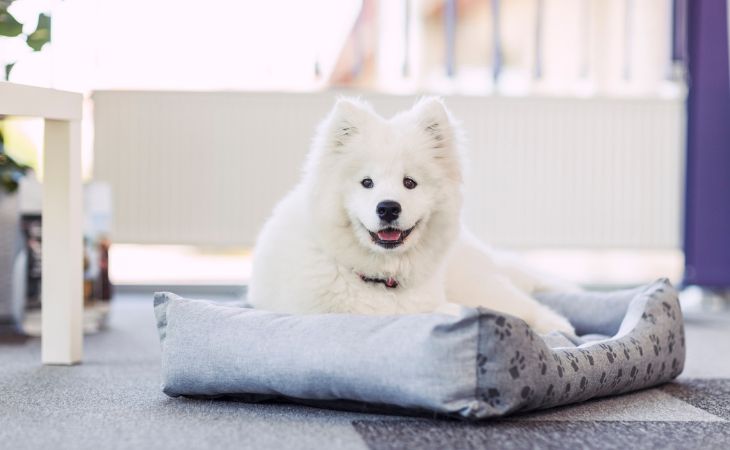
x=12, y=254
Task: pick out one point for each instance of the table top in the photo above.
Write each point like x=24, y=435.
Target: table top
x=22, y=100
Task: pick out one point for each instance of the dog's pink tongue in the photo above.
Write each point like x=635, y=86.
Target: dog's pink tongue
x=389, y=235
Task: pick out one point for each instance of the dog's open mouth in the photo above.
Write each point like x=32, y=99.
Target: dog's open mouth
x=390, y=237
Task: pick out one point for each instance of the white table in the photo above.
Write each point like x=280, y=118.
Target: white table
x=62, y=297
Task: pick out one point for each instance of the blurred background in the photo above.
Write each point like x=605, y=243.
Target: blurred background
x=198, y=115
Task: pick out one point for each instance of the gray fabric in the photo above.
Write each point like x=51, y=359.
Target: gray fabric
x=211, y=350
x=518, y=371
x=479, y=365
x=604, y=315
x=113, y=401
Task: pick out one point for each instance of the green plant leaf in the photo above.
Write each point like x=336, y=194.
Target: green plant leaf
x=42, y=34
x=8, y=69
x=9, y=26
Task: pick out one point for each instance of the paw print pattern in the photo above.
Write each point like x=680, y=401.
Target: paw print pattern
x=625, y=350
x=566, y=393
x=482, y=363
x=518, y=363
x=681, y=337
x=610, y=354
x=655, y=344
x=649, y=317
x=572, y=360
x=549, y=395
x=583, y=384
x=587, y=356
x=632, y=374
x=503, y=328
x=668, y=310
x=492, y=397
x=649, y=372
x=637, y=346
x=671, y=341
x=529, y=334
x=675, y=367
x=527, y=393
x=615, y=366
x=542, y=362
x=559, y=362
x=617, y=378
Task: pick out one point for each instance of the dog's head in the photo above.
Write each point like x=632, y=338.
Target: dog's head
x=389, y=182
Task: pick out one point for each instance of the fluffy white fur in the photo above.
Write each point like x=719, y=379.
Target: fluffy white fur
x=317, y=245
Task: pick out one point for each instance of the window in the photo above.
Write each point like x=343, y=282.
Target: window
x=515, y=47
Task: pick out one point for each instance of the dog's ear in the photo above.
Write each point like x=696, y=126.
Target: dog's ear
x=347, y=120
x=435, y=120
x=442, y=134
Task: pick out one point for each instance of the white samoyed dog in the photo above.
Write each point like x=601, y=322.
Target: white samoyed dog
x=374, y=227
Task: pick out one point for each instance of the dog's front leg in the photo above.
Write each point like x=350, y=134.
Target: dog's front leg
x=497, y=292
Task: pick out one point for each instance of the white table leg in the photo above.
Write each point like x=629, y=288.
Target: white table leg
x=62, y=297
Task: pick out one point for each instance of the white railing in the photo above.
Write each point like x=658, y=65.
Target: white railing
x=207, y=168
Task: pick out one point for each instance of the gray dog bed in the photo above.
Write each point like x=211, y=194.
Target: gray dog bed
x=481, y=364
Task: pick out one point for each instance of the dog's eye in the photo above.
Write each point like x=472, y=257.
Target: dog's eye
x=409, y=183
x=367, y=183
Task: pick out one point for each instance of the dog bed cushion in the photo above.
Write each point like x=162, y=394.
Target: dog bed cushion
x=477, y=365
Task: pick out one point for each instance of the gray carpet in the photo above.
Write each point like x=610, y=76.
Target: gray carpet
x=113, y=400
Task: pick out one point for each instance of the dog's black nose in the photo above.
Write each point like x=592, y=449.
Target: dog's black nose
x=388, y=210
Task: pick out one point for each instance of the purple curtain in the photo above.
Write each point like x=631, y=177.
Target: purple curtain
x=707, y=198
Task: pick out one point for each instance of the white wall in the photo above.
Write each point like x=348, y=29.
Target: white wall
x=206, y=168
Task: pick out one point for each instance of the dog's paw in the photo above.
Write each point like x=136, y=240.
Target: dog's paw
x=549, y=321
